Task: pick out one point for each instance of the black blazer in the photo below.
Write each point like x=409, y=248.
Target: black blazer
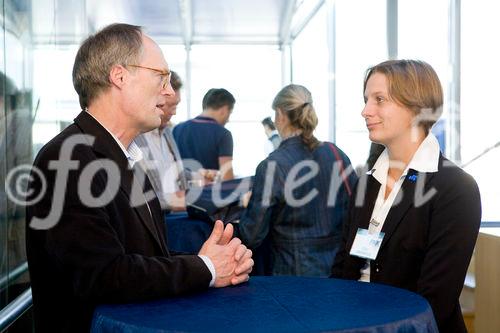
x=428, y=243
x=110, y=253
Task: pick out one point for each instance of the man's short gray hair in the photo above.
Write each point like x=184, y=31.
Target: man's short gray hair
x=116, y=44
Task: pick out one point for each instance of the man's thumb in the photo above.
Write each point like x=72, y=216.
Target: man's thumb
x=217, y=232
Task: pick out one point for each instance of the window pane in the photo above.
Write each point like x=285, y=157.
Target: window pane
x=15, y=147
x=4, y=269
x=360, y=42
x=310, y=61
x=253, y=75
x=479, y=86
x=429, y=43
x=56, y=102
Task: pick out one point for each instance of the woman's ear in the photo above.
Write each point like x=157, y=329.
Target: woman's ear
x=283, y=118
x=279, y=115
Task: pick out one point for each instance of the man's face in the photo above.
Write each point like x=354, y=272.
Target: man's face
x=143, y=96
x=170, y=107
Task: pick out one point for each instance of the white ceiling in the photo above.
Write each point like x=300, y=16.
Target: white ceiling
x=171, y=21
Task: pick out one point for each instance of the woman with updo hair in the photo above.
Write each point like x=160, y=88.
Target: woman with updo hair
x=301, y=193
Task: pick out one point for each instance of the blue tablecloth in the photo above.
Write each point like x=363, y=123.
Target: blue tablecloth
x=276, y=304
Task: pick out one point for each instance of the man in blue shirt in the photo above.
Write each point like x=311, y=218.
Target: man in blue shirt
x=204, y=138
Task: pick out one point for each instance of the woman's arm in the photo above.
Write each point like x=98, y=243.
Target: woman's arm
x=453, y=229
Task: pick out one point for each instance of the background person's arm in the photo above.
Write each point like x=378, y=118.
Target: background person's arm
x=225, y=156
x=226, y=167
x=255, y=222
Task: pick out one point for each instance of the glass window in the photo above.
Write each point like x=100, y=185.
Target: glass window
x=4, y=270
x=479, y=83
x=15, y=148
x=360, y=42
x=252, y=73
x=429, y=43
x=310, y=68
x=55, y=100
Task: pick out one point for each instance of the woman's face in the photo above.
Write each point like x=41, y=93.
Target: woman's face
x=387, y=121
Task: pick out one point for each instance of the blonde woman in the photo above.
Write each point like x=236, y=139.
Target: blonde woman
x=301, y=193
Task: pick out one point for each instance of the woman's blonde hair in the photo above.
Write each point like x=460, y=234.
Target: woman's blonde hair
x=415, y=85
x=295, y=101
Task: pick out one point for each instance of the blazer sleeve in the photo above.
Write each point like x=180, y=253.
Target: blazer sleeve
x=454, y=225
x=86, y=246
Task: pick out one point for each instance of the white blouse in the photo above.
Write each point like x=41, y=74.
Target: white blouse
x=425, y=159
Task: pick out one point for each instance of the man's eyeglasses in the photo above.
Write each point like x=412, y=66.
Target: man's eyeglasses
x=166, y=75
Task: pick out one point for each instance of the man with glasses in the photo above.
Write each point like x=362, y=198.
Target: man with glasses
x=95, y=231
x=162, y=161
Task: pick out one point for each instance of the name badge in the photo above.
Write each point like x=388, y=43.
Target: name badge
x=366, y=245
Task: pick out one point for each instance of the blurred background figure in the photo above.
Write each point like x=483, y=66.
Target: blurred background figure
x=304, y=230
x=162, y=161
x=271, y=132
x=204, y=138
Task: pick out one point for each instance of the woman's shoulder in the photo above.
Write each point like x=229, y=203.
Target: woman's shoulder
x=289, y=149
x=449, y=171
x=332, y=149
x=452, y=177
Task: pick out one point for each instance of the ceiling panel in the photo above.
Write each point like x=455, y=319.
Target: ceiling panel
x=239, y=21
x=221, y=19
x=161, y=19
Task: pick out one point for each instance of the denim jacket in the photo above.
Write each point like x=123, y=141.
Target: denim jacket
x=304, y=236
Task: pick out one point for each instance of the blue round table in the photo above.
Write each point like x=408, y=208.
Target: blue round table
x=276, y=304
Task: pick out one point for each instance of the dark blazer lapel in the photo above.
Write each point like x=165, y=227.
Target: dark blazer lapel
x=106, y=146
x=405, y=200
x=364, y=212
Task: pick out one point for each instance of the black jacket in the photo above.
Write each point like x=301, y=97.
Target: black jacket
x=109, y=253
x=428, y=243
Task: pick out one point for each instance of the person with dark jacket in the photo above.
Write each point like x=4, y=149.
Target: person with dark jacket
x=301, y=193
x=95, y=231
x=419, y=212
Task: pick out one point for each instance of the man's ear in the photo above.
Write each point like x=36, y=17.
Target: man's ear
x=117, y=75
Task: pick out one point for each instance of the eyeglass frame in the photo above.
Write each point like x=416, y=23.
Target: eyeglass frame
x=167, y=73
